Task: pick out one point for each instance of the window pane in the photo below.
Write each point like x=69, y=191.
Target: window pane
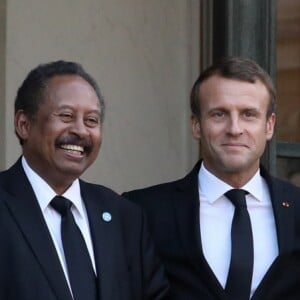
x=288, y=71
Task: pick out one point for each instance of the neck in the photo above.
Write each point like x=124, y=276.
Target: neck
x=236, y=179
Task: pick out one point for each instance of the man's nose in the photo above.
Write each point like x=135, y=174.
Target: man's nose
x=235, y=126
x=79, y=128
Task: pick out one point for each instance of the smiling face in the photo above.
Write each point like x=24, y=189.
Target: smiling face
x=63, y=139
x=233, y=127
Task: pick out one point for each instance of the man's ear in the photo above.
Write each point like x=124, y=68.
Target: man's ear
x=270, y=126
x=22, y=124
x=195, y=124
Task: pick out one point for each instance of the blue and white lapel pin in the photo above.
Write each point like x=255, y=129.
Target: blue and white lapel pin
x=106, y=216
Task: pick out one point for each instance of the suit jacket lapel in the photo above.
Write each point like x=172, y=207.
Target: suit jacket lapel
x=186, y=206
x=108, y=246
x=283, y=207
x=26, y=211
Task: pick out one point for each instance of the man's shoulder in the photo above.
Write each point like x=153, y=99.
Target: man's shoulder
x=164, y=190
x=106, y=196
x=282, y=186
x=278, y=185
x=97, y=188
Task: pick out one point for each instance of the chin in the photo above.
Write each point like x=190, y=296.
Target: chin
x=234, y=166
x=72, y=172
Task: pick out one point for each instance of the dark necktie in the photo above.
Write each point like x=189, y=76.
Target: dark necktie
x=239, y=278
x=80, y=269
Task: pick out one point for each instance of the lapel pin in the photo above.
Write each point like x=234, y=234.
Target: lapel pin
x=106, y=217
x=285, y=204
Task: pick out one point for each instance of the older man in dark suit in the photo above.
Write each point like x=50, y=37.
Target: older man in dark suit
x=228, y=230
x=63, y=238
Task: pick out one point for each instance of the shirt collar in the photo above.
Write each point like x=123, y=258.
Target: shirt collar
x=256, y=186
x=44, y=193
x=214, y=188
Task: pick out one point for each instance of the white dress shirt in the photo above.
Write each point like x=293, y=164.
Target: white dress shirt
x=44, y=194
x=216, y=214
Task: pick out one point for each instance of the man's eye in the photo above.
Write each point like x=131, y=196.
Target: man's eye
x=66, y=116
x=218, y=114
x=92, y=121
x=249, y=114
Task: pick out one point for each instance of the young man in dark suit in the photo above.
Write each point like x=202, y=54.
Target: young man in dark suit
x=63, y=238
x=213, y=245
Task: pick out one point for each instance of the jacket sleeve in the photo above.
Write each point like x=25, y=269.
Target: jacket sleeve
x=154, y=279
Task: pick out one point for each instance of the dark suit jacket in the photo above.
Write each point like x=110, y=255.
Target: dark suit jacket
x=173, y=214
x=29, y=265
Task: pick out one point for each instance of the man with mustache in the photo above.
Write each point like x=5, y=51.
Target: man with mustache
x=228, y=230
x=63, y=238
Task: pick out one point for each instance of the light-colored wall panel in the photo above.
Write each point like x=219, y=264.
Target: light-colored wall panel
x=144, y=56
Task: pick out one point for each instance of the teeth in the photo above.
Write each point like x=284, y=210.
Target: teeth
x=72, y=148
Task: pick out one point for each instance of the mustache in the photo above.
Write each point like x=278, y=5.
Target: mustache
x=74, y=140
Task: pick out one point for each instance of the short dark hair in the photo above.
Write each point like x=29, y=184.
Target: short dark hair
x=238, y=68
x=32, y=91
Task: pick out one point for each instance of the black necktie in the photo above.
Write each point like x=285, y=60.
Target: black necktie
x=80, y=269
x=239, y=278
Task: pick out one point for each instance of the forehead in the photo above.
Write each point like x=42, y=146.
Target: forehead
x=70, y=89
x=217, y=89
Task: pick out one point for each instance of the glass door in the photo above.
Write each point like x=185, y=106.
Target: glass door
x=288, y=88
